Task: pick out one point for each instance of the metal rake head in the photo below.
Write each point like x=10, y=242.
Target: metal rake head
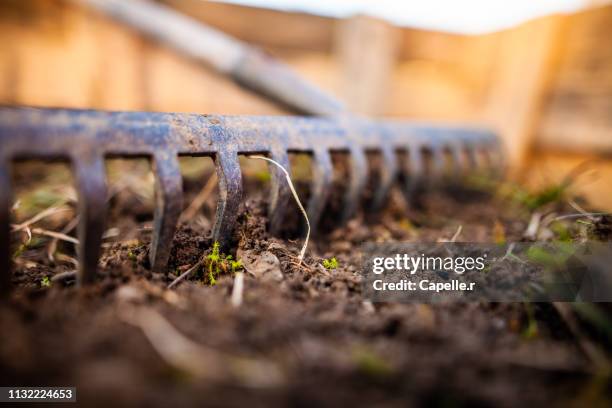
x=86, y=138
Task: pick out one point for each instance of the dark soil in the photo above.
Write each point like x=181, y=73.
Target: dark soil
x=310, y=336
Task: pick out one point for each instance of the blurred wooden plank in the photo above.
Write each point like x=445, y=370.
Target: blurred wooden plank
x=56, y=57
x=524, y=66
x=297, y=32
x=579, y=111
x=120, y=77
x=367, y=51
x=61, y=55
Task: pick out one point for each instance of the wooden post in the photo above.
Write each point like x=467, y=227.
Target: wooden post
x=524, y=67
x=367, y=53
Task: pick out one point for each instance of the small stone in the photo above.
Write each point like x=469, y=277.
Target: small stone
x=130, y=294
x=264, y=265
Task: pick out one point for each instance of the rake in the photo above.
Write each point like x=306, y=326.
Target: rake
x=86, y=138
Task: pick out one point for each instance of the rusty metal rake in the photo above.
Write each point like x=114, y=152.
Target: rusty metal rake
x=420, y=153
x=86, y=138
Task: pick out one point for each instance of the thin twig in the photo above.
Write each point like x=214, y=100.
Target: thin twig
x=534, y=226
x=43, y=214
x=66, y=258
x=25, y=226
x=297, y=200
x=53, y=244
x=590, y=349
x=580, y=215
x=185, y=274
x=454, y=238
x=62, y=276
x=200, y=199
x=29, y=234
x=577, y=206
x=238, y=289
x=27, y=263
x=302, y=266
x=205, y=363
x=111, y=233
x=53, y=234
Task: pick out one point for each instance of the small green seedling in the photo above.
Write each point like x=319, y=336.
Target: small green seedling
x=213, y=263
x=45, y=282
x=236, y=265
x=216, y=263
x=330, y=264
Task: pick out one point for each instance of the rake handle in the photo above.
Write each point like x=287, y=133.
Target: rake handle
x=245, y=64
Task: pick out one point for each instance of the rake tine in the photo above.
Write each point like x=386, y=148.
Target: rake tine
x=322, y=171
x=460, y=162
x=471, y=157
x=415, y=169
x=438, y=160
x=497, y=158
x=357, y=182
x=280, y=193
x=168, y=206
x=487, y=160
x=5, y=230
x=230, y=194
x=479, y=159
x=480, y=163
x=388, y=173
x=91, y=186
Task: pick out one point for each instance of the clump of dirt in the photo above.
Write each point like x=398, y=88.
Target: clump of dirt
x=302, y=338
x=187, y=247
x=601, y=228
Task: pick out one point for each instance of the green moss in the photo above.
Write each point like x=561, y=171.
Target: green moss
x=330, y=264
x=553, y=257
x=533, y=199
x=236, y=265
x=561, y=231
x=217, y=263
x=545, y=196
